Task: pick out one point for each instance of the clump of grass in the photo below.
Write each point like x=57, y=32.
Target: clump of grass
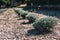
x=22, y=13
x=31, y=17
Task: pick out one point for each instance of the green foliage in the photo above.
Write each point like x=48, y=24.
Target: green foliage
x=22, y=13
x=6, y=1
x=18, y=12
x=31, y=17
x=2, y=10
x=44, y=23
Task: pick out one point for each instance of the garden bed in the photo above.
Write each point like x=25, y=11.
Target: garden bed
x=12, y=29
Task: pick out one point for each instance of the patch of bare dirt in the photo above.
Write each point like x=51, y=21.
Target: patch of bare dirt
x=12, y=29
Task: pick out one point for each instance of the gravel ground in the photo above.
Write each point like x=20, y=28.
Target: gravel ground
x=11, y=29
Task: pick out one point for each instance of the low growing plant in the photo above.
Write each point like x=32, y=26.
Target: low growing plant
x=45, y=23
x=31, y=17
x=22, y=13
x=2, y=10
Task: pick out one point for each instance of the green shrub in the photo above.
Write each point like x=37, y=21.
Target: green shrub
x=31, y=17
x=2, y=10
x=18, y=12
x=22, y=13
x=44, y=23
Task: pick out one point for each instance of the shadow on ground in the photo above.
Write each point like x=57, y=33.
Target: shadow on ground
x=55, y=13
x=34, y=32
x=45, y=11
x=26, y=23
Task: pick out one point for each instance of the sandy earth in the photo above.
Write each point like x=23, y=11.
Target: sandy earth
x=11, y=29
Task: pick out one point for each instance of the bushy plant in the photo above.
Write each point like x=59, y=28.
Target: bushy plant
x=31, y=17
x=2, y=10
x=44, y=23
x=18, y=11
x=22, y=13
